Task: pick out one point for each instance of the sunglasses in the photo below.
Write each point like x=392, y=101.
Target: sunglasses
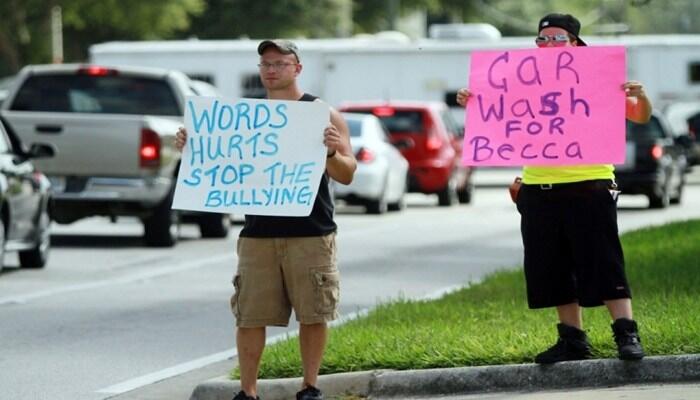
x=557, y=40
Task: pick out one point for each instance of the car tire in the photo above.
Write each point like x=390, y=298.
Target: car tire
x=397, y=205
x=161, y=227
x=464, y=196
x=447, y=196
x=679, y=195
x=37, y=256
x=681, y=185
x=400, y=204
x=657, y=201
x=214, y=225
x=377, y=206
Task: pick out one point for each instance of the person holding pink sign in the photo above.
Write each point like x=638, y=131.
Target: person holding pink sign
x=572, y=252
x=289, y=263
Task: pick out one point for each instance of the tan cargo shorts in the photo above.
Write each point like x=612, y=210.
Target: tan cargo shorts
x=277, y=275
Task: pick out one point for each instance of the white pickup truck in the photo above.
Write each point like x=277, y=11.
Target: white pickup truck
x=113, y=130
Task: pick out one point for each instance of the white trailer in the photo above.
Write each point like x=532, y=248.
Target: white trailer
x=379, y=67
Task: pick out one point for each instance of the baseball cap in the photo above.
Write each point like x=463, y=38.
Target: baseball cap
x=565, y=21
x=283, y=46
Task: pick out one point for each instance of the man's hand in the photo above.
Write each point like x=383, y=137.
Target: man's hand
x=463, y=96
x=637, y=104
x=633, y=89
x=180, y=138
x=332, y=139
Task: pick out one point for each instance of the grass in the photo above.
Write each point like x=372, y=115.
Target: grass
x=490, y=323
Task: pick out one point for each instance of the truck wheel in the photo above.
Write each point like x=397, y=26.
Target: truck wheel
x=37, y=256
x=214, y=225
x=161, y=227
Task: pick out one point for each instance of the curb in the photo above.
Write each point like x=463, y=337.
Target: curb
x=465, y=380
x=223, y=388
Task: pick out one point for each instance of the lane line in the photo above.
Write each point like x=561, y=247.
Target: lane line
x=130, y=278
x=188, y=366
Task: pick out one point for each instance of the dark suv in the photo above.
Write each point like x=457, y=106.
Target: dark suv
x=656, y=162
x=430, y=140
x=694, y=135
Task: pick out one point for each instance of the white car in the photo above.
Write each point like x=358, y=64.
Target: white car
x=380, y=181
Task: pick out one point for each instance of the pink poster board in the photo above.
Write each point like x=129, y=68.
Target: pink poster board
x=550, y=106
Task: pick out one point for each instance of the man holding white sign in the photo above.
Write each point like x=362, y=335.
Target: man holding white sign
x=286, y=257
x=573, y=256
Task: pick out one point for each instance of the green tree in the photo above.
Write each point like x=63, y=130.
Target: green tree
x=516, y=17
x=227, y=19
x=371, y=16
x=88, y=21
x=21, y=22
x=25, y=29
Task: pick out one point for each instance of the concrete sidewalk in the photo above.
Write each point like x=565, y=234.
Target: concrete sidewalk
x=637, y=392
x=528, y=378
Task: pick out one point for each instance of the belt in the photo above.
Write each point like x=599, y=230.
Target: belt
x=582, y=185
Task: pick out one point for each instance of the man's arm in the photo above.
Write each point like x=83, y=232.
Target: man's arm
x=637, y=105
x=340, y=162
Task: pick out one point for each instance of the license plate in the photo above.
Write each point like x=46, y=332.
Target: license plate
x=58, y=183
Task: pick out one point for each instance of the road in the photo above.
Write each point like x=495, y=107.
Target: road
x=108, y=315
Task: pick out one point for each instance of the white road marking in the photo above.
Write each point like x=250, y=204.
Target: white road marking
x=135, y=277
x=188, y=366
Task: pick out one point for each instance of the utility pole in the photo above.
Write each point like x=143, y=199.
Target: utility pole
x=345, y=21
x=56, y=35
x=393, y=12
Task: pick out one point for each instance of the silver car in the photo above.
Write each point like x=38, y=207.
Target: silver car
x=380, y=181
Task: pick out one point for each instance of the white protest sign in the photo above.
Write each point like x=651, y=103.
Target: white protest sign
x=258, y=157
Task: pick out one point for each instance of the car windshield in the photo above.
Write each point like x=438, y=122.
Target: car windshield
x=404, y=122
x=96, y=94
x=355, y=127
x=648, y=131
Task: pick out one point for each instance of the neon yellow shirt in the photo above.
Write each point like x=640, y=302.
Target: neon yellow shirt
x=538, y=175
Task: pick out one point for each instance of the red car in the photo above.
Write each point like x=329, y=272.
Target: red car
x=428, y=137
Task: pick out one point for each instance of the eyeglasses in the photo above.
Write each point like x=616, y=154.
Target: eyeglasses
x=557, y=40
x=276, y=66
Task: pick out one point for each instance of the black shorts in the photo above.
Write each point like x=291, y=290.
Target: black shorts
x=572, y=249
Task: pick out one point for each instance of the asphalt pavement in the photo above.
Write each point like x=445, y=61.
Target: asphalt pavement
x=654, y=378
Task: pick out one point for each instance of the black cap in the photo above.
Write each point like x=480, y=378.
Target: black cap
x=565, y=21
x=283, y=46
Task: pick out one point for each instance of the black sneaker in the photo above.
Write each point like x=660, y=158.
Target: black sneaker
x=310, y=393
x=243, y=396
x=629, y=345
x=572, y=345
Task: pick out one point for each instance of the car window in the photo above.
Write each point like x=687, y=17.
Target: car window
x=450, y=123
x=383, y=131
x=96, y=94
x=404, y=122
x=648, y=131
x=355, y=127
